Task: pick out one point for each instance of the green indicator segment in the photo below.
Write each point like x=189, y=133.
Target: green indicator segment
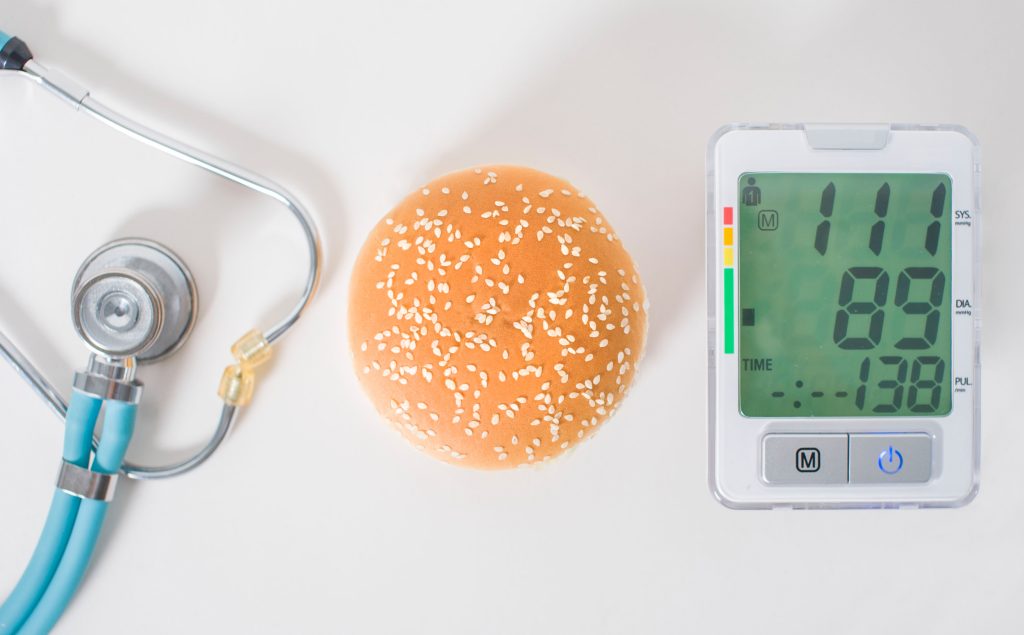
x=730, y=312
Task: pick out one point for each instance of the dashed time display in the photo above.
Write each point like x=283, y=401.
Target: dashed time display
x=844, y=294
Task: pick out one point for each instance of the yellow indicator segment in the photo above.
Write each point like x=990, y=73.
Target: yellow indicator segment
x=727, y=256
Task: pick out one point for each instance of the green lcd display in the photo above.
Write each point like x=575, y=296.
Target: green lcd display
x=844, y=294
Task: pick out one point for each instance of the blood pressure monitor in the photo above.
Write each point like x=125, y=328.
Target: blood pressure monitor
x=843, y=293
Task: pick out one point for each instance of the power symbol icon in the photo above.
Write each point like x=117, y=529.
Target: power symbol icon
x=890, y=460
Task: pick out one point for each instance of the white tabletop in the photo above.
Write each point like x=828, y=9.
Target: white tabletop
x=315, y=517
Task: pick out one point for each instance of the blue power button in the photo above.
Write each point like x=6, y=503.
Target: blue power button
x=890, y=460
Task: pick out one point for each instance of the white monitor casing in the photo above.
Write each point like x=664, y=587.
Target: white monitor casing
x=735, y=440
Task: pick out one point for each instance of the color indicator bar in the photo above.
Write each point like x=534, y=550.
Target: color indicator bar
x=728, y=283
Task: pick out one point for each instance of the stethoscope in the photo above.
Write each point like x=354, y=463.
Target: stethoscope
x=133, y=302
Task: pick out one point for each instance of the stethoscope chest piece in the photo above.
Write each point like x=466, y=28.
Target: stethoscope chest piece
x=134, y=298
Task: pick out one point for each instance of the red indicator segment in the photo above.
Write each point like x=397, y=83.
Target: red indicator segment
x=727, y=216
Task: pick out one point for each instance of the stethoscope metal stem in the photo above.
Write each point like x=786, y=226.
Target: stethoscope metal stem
x=79, y=97
x=238, y=175
x=42, y=387
x=35, y=379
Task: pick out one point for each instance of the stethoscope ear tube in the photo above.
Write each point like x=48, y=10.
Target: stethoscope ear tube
x=21, y=59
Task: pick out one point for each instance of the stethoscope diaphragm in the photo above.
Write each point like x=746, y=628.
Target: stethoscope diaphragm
x=134, y=298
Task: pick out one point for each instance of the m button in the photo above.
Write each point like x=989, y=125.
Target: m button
x=805, y=459
x=808, y=460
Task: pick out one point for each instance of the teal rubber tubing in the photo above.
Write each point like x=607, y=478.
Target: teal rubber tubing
x=80, y=423
x=118, y=426
x=4, y=39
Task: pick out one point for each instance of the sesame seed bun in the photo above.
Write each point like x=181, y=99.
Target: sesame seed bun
x=495, y=317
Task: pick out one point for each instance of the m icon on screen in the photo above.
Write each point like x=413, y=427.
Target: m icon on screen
x=808, y=460
x=768, y=220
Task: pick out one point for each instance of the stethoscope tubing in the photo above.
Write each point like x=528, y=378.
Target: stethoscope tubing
x=118, y=427
x=79, y=427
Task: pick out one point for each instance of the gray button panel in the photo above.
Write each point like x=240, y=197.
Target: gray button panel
x=804, y=459
x=890, y=458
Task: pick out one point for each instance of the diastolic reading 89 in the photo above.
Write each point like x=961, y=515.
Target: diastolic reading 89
x=844, y=294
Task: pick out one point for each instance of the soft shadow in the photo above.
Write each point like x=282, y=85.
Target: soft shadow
x=610, y=114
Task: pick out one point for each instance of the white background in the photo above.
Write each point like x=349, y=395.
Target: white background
x=315, y=517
